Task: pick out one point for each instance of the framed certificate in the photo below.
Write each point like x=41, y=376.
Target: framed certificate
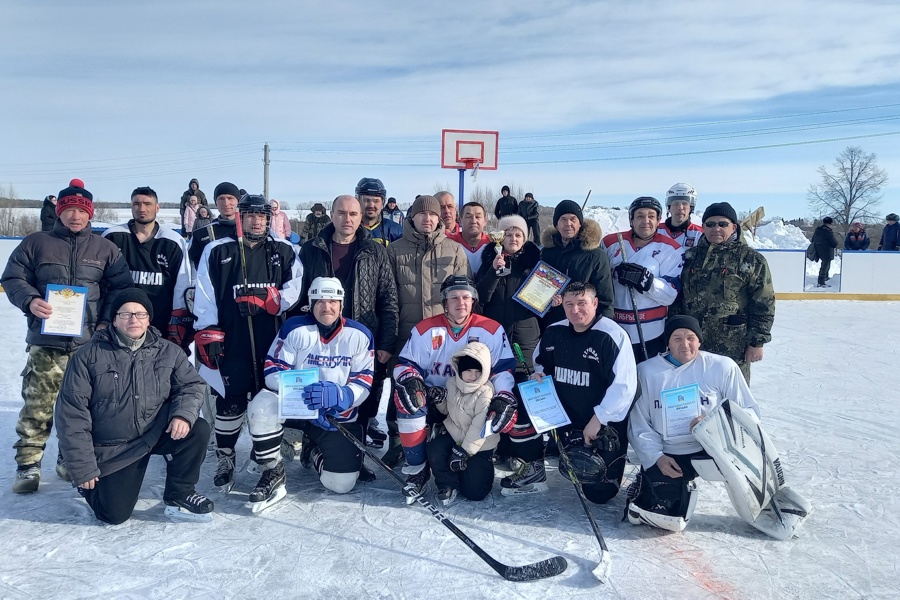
x=290, y=393
x=680, y=406
x=543, y=405
x=69, y=304
x=539, y=288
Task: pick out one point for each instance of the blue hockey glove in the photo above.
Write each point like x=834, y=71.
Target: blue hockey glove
x=325, y=395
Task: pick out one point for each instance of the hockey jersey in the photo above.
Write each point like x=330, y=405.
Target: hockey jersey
x=663, y=258
x=473, y=253
x=686, y=238
x=593, y=371
x=202, y=237
x=385, y=231
x=272, y=262
x=346, y=358
x=159, y=266
x=718, y=378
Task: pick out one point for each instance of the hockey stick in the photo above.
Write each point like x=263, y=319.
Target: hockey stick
x=539, y=570
x=240, y=234
x=637, y=317
x=583, y=204
x=604, y=567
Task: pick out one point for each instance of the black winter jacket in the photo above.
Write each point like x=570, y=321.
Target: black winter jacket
x=529, y=210
x=115, y=404
x=825, y=242
x=370, y=296
x=65, y=258
x=507, y=205
x=201, y=238
x=48, y=215
x=495, y=294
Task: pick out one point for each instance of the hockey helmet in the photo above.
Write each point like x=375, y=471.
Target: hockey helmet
x=255, y=204
x=586, y=462
x=458, y=282
x=681, y=191
x=369, y=186
x=644, y=202
x=326, y=288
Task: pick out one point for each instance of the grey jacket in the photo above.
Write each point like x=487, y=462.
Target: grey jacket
x=115, y=404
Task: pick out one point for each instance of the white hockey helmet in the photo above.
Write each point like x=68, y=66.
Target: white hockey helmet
x=326, y=288
x=682, y=191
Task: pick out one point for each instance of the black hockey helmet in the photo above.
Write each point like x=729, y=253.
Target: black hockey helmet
x=458, y=282
x=369, y=186
x=255, y=204
x=645, y=202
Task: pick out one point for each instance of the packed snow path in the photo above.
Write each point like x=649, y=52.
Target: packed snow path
x=828, y=393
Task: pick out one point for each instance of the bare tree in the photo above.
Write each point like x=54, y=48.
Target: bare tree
x=853, y=192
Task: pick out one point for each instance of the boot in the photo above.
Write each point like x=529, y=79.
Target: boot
x=28, y=478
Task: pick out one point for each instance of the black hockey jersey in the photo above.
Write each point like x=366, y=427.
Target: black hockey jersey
x=201, y=238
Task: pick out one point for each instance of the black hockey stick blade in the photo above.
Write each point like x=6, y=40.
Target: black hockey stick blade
x=539, y=570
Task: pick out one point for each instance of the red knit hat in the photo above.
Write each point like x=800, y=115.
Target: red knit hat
x=75, y=196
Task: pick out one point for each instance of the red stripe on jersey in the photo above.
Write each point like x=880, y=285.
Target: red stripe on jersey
x=650, y=314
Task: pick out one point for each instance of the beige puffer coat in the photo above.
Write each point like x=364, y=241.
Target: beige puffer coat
x=466, y=406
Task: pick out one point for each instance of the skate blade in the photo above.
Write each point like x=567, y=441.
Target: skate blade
x=258, y=507
x=532, y=488
x=225, y=489
x=176, y=513
x=374, y=443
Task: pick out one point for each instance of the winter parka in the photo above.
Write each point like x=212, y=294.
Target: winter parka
x=825, y=242
x=48, y=215
x=467, y=404
x=890, y=237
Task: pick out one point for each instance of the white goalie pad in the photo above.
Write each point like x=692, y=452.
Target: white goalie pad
x=748, y=461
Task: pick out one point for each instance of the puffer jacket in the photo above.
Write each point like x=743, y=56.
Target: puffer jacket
x=529, y=210
x=466, y=406
x=420, y=263
x=856, y=240
x=825, y=242
x=65, y=258
x=583, y=260
x=48, y=215
x=115, y=404
x=495, y=294
x=370, y=295
x=890, y=237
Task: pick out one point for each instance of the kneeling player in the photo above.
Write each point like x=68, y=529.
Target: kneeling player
x=343, y=352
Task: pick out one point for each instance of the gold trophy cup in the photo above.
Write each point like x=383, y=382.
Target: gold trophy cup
x=497, y=238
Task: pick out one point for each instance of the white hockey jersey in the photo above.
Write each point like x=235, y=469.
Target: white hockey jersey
x=663, y=257
x=688, y=238
x=718, y=378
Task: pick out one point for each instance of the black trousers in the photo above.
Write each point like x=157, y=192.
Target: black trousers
x=535, y=228
x=605, y=487
x=339, y=455
x=369, y=408
x=114, y=495
x=474, y=482
x=658, y=491
x=824, y=268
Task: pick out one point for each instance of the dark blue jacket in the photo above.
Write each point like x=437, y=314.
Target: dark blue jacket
x=890, y=237
x=856, y=241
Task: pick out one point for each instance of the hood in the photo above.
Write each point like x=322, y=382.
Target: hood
x=276, y=205
x=590, y=236
x=193, y=181
x=410, y=233
x=479, y=352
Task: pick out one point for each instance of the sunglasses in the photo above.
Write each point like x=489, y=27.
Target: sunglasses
x=722, y=224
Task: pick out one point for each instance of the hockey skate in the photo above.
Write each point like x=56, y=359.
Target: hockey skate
x=224, y=477
x=447, y=496
x=415, y=483
x=269, y=490
x=193, y=507
x=375, y=437
x=366, y=475
x=529, y=478
x=28, y=478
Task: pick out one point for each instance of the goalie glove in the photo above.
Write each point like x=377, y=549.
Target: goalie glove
x=210, y=346
x=253, y=301
x=634, y=276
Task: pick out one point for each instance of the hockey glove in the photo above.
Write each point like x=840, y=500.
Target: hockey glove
x=210, y=346
x=181, y=328
x=410, y=395
x=435, y=394
x=253, y=301
x=634, y=276
x=607, y=439
x=327, y=395
x=502, y=414
x=458, y=459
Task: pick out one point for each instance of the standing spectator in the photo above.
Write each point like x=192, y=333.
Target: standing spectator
x=371, y=193
x=69, y=254
x=825, y=242
x=857, y=238
x=190, y=216
x=281, y=223
x=48, y=213
x=392, y=212
x=316, y=221
x=726, y=285
x=227, y=196
x=193, y=190
x=204, y=218
x=680, y=202
x=572, y=245
x=890, y=235
x=449, y=212
x=109, y=429
x=506, y=205
x=471, y=235
x=530, y=210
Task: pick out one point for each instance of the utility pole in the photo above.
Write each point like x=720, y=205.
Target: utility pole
x=266, y=171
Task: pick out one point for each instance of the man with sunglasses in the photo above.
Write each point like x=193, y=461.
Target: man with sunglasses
x=727, y=286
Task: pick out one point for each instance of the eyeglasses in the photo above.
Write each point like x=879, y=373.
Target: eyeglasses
x=722, y=224
x=127, y=316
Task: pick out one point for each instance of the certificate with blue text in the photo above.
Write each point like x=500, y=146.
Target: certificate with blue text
x=69, y=304
x=543, y=405
x=680, y=406
x=290, y=393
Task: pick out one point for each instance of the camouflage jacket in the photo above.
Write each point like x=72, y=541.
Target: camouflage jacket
x=728, y=288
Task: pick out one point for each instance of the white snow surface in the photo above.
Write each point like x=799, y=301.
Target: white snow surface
x=827, y=399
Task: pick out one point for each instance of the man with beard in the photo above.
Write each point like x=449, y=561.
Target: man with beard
x=226, y=197
x=371, y=193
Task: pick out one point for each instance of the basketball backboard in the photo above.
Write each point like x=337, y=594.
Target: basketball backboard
x=466, y=149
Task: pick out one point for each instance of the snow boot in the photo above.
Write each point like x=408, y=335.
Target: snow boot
x=270, y=488
x=61, y=469
x=28, y=478
x=192, y=507
x=224, y=477
x=415, y=483
x=529, y=478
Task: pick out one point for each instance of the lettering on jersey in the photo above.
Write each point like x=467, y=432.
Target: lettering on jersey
x=657, y=404
x=442, y=370
x=437, y=338
x=591, y=354
x=550, y=348
x=236, y=287
x=704, y=400
x=147, y=278
x=329, y=362
x=225, y=261
x=275, y=259
x=573, y=377
x=162, y=260
x=655, y=252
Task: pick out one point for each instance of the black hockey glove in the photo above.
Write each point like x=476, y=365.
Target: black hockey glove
x=502, y=415
x=634, y=276
x=410, y=395
x=607, y=439
x=435, y=394
x=458, y=459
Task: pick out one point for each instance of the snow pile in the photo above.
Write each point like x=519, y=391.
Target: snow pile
x=611, y=220
x=777, y=235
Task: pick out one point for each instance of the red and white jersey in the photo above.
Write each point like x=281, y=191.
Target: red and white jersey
x=688, y=238
x=663, y=257
x=473, y=253
x=432, y=344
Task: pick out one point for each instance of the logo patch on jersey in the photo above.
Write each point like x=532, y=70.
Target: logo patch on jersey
x=275, y=260
x=550, y=348
x=688, y=242
x=591, y=354
x=437, y=338
x=225, y=260
x=162, y=260
x=472, y=339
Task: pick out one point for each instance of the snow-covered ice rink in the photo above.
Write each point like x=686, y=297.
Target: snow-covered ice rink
x=828, y=393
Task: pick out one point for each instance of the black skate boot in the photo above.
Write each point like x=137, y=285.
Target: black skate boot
x=375, y=436
x=529, y=478
x=415, y=483
x=447, y=496
x=192, y=507
x=270, y=488
x=224, y=477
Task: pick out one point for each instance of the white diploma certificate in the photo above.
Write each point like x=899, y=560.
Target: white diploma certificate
x=69, y=304
x=543, y=405
x=680, y=406
x=290, y=393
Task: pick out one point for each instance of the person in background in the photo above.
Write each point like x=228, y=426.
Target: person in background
x=680, y=202
x=471, y=235
x=193, y=190
x=204, y=218
x=316, y=221
x=190, y=216
x=530, y=210
x=48, y=213
x=890, y=235
x=857, y=238
x=281, y=223
x=371, y=193
x=448, y=212
x=392, y=212
x=506, y=204
x=825, y=242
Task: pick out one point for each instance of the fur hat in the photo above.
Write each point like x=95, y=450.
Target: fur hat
x=425, y=204
x=681, y=322
x=513, y=221
x=75, y=196
x=133, y=294
x=720, y=209
x=568, y=207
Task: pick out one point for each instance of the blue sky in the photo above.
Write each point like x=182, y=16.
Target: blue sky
x=745, y=101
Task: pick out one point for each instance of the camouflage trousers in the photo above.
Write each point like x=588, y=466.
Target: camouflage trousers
x=40, y=385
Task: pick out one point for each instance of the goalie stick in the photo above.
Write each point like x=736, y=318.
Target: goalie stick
x=539, y=570
x=604, y=567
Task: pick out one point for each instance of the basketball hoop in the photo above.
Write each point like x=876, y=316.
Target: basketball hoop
x=472, y=164
x=468, y=150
